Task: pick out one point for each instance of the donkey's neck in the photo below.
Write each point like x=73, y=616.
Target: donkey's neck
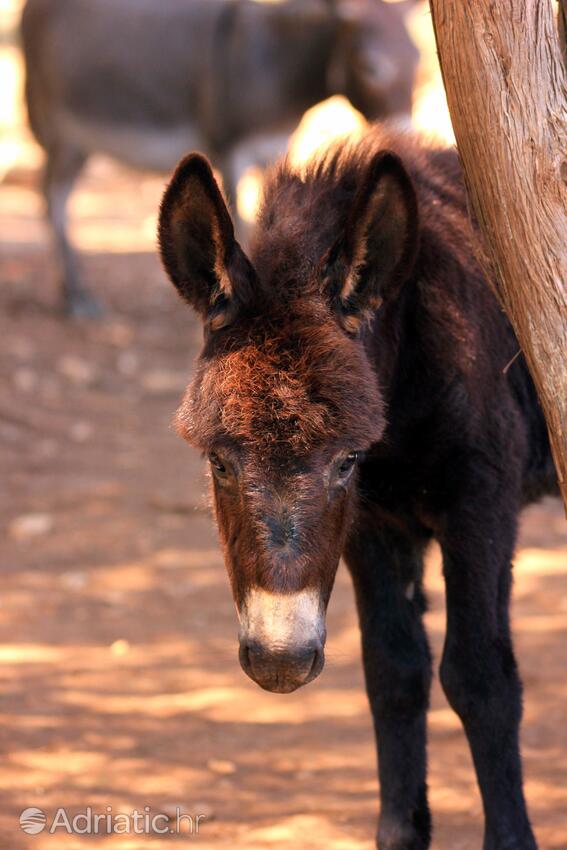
x=386, y=339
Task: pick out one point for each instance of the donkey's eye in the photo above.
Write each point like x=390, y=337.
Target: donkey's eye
x=216, y=463
x=347, y=463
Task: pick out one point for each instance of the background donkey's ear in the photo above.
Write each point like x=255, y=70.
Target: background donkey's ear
x=197, y=243
x=378, y=248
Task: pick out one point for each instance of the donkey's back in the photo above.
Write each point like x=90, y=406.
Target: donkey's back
x=465, y=332
x=477, y=334
x=118, y=78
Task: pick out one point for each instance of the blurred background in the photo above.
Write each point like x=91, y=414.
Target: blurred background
x=134, y=224
x=119, y=675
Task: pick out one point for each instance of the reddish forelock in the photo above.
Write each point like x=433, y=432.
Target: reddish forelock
x=286, y=384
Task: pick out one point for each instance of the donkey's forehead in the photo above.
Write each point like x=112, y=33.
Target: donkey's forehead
x=264, y=396
x=290, y=392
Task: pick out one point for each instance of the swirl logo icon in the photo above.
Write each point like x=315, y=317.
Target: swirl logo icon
x=33, y=820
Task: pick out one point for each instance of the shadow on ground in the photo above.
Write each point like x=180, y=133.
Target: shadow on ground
x=119, y=676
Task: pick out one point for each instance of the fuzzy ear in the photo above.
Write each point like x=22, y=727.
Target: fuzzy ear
x=197, y=244
x=377, y=250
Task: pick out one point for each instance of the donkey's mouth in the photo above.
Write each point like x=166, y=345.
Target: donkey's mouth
x=281, y=672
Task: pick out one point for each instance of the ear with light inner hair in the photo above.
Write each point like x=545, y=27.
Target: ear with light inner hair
x=198, y=246
x=378, y=247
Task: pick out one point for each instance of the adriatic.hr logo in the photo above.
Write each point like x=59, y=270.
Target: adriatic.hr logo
x=89, y=822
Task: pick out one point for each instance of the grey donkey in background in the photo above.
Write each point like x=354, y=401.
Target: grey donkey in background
x=144, y=81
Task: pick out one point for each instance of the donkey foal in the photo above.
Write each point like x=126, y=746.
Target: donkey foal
x=352, y=400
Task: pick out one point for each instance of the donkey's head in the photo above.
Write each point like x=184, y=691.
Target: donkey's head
x=374, y=59
x=285, y=401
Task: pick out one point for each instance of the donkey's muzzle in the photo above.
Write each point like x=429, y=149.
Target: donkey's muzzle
x=281, y=672
x=282, y=638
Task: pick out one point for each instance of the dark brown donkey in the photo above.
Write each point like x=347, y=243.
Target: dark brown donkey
x=352, y=397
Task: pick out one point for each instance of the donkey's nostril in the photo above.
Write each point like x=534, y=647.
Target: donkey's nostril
x=244, y=658
x=317, y=664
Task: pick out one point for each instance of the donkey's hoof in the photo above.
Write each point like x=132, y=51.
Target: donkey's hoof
x=398, y=836
x=81, y=305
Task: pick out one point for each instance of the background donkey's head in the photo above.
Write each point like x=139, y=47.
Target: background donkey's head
x=285, y=400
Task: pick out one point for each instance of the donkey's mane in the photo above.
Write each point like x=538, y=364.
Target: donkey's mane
x=305, y=207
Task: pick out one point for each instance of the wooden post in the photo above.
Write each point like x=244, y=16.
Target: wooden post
x=506, y=86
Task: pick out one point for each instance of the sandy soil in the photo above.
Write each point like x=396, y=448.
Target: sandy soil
x=119, y=676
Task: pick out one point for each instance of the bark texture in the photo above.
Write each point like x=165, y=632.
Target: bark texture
x=506, y=86
x=562, y=24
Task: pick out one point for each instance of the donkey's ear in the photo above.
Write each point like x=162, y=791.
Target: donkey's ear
x=378, y=248
x=197, y=244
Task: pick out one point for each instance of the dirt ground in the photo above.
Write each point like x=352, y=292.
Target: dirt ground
x=119, y=675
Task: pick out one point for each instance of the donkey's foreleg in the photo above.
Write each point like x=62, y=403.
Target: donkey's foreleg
x=479, y=674
x=63, y=166
x=386, y=571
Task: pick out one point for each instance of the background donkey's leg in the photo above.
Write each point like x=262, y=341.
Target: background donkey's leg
x=63, y=165
x=478, y=670
x=387, y=571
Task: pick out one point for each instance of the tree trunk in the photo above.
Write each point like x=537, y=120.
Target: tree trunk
x=506, y=86
x=562, y=24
